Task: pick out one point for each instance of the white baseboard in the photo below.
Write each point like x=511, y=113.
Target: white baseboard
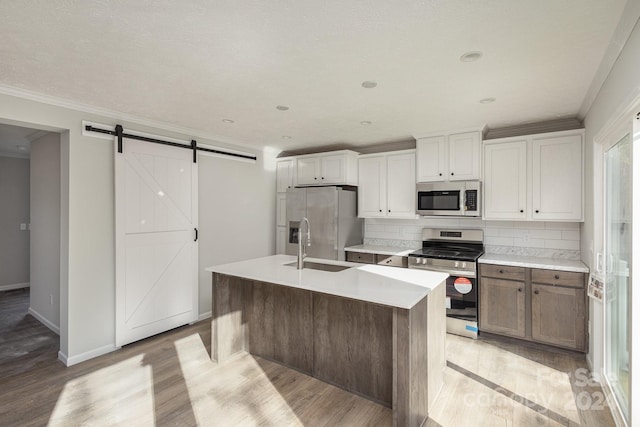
x=594, y=375
x=46, y=322
x=74, y=360
x=14, y=286
x=204, y=316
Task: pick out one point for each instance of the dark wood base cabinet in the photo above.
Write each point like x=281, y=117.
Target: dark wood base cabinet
x=545, y=306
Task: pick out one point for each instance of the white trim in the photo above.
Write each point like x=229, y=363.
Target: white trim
x=626, y=112
x=131, y=118
x=14, y=155
x=480, y=129
x=612, y=402
x=74, y=360
x=46, y=322
x=204, y=316
x=628, y=21
x=14, y=286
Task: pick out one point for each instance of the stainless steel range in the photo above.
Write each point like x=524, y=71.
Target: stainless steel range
x=455, y=252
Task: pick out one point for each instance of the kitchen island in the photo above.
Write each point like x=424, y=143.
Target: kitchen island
x=376, y=331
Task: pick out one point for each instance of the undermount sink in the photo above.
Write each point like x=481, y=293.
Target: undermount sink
x=319, y=266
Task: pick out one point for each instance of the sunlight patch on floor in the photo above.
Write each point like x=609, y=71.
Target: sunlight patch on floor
x=117, y=394
x=252, y=398
x=526, y=382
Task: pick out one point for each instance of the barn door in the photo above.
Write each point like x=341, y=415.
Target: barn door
x=156, y=248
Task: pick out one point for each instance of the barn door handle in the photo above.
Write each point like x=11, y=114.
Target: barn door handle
x=196, y=239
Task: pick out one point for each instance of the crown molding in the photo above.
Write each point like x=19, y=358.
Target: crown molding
x=116, y=115
x=14, y=155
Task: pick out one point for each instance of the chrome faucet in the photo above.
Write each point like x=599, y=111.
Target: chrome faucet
x=301, y=252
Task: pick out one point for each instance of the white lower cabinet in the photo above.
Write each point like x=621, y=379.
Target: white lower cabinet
x=281, y=239
x=387, y=185
x=535, y=177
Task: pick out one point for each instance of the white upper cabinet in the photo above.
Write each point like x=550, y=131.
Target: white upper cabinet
x=464, y=156
x=285, y=169
x=333, y=168
x=452, y=157
x=372, y=186
x=431, y=155
x=535, y=177
x=557, y=178
x=387, y=185
x=401, y=185
x=505, y=180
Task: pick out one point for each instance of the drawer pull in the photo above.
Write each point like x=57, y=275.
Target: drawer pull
x=501, y=271
x=519, y=289
x=556, y=277
x=536, y=292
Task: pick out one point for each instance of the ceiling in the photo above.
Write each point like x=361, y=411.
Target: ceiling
x=194, y=64
x=15, y=141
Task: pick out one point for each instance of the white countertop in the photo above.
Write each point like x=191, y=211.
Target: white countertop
x=392, y=286
x=384, y=250
x=534, y=262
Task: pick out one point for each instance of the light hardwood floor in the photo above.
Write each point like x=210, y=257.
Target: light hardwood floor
x=170, y=380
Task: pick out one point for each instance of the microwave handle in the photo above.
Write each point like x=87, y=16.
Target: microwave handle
x=463, y=201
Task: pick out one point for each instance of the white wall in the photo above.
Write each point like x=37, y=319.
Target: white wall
x=14, y=210
x=87, y=273
x=236, y=212
x=44, y=301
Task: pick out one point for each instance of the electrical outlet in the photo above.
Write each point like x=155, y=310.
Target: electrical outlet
x=23, y=227
x=526, y=237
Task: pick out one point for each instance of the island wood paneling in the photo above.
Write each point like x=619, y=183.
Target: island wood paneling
x=261, y=319
x=293, y=328
x=353, y=345
x=436, y=338
x=228, y=335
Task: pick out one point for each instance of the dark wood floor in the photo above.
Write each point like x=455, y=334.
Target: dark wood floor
x=170, y=380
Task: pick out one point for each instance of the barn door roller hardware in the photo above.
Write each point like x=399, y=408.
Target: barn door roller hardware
x=120, y=134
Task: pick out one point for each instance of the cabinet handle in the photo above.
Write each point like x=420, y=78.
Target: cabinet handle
x=315, y=178
x=537, y=211
x=536, y=292
x=501, y=271
x=556, y=277
x=440, y=174
x=451, y=173
x=389, y=210
x=388, y=261
x=380, y=210
x=519, y=289
x=323, y=177
x=521, y=210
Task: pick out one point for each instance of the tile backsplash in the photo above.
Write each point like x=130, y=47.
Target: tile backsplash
x=528, y=238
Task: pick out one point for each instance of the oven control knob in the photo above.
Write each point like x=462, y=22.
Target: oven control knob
x=464, y=265
x=457, y=264
x=424, y=260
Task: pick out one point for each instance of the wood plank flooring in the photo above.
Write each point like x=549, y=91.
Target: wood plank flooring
x=170, y=380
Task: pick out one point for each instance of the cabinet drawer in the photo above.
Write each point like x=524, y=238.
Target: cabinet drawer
x=502, y=271
x=361, y=257
x=392, y=260
x=555, y=277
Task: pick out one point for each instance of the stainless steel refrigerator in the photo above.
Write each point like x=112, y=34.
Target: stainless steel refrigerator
x=332, y=215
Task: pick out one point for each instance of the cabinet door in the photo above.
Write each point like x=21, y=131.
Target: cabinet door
x=558, y=316
x=308, y=170
x=557, y=178
x=284, y=175
x=401, y=185
x=502, y=306
x=281, y=240
x=431, y=155
x=281, y=209
x=372, y=184
x=464, y=156
x=332, y=169
x=505, y=180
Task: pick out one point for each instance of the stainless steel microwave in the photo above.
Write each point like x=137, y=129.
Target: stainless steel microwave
x=455, y=198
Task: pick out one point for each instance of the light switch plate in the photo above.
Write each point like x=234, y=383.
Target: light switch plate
x=23, y=227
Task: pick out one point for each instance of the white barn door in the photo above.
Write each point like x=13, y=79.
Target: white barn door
x=156, y=198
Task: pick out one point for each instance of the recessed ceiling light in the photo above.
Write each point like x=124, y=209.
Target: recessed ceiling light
x=21, y=147
x=487, y=100
x=282, y=107
x=471, y=56
x=368, y=84
x=227, y=121
x=365, y=123
x=286, y=137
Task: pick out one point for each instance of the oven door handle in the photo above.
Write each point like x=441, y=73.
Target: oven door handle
x=469, y=274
